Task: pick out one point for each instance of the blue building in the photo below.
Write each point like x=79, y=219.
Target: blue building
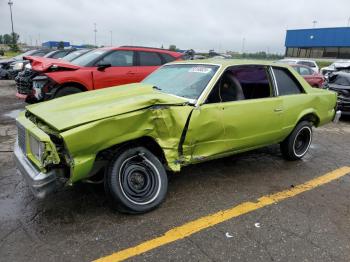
x=54, y=44
x=318, y=42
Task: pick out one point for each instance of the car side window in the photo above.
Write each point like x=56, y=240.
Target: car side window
x=168, y=58
x=286, y=82
x=242, y=83
x=149, y=59
x=119, y=58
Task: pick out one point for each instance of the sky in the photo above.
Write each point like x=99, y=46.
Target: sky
x=254, y=25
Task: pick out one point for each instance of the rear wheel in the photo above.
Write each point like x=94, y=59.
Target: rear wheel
x=67, y=90
x=136, y=181
x=296, y=145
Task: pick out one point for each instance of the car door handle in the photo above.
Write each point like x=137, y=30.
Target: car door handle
x=278, y=109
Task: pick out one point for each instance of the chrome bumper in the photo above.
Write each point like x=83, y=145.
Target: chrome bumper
x=40, y=183
x=337, y=116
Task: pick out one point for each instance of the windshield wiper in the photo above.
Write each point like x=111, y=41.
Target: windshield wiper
x=156, y=87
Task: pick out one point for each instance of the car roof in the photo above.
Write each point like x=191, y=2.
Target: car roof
x=142, y=48
x=231, y=62
x=299, y=65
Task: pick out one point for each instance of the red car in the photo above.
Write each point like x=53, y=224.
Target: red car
x=99, y=68
x=313, y=78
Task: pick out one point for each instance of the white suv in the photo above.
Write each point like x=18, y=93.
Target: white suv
x=335, y=66
x=309, y=63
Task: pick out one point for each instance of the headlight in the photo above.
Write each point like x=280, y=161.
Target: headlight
x=38, y=83
x=28, y=66
x=18, y=66
x=36, y=147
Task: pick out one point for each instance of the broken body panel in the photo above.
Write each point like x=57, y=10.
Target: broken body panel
x=187, y=132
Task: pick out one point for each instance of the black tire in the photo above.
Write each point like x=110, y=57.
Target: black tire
x=136, y=181
x=296, y=145
x=67, y=90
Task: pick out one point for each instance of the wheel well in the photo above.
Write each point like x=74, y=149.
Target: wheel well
x=313, y=118
x=74, y=84
x=145, y=141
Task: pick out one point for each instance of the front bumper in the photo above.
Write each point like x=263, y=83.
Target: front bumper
x=337, y=116
x=40, y=183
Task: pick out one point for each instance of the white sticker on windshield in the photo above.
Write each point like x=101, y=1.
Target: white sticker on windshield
x=200, y=69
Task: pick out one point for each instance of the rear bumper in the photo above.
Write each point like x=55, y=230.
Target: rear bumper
x=40, y=183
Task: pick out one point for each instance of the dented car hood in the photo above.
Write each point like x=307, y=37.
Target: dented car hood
x=42, y=64
x=74, y=110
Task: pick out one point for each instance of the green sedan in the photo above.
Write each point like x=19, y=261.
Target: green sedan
x=183, y=113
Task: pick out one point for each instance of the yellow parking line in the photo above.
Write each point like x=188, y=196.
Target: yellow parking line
x=221, y=216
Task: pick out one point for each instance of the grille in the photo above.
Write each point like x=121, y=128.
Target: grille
x=24, y=81
x=21, y=137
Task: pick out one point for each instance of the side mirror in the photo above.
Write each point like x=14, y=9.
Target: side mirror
x=103, y=65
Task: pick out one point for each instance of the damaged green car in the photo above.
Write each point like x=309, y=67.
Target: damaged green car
x=183, y=113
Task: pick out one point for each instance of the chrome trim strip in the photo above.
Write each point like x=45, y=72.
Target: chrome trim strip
x=274, y=81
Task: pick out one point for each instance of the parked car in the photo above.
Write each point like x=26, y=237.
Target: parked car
x=100, y=68
x=18, y=66
x=24, y=79
x=314, y=79
x=74, y=55
x=183, y=113
x=336, y=66
x=5, y=63
x=340, y=83
x=309, y=63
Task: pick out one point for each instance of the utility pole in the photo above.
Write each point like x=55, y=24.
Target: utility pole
x=314, y=23
x=111, y=37
x=95, y=31
x=348, y=21
x=10, y=3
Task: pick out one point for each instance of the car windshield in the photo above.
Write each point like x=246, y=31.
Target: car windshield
x=74, y=55
x=28, y=53
x=87, y=58
x=50, y=53
x=185, y=80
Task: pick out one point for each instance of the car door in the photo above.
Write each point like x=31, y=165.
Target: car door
x=257, y=119
x=122, y=69
x=147, y=63
x=293, y=96
x=226, y=126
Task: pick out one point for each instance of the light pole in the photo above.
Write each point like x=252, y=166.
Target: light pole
x=348, y=21
x=314, y=23
x=111, y=37
x=13, y=33
x=95, y=31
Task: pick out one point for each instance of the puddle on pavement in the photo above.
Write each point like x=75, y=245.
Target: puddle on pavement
x=14, y=113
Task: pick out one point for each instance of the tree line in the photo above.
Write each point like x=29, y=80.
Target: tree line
x=10, y=40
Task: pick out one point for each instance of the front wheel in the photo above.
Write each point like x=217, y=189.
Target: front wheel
x=296, y=145
x=67, y=90
x=136, y=181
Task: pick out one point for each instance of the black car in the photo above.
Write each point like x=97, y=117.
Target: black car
x=5, y=64
x=340, y=83
x=19, y=66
